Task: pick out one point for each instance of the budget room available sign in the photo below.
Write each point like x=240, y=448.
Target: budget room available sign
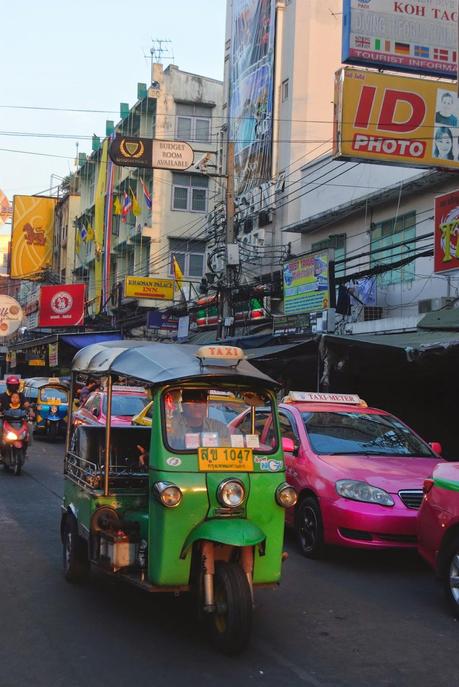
x=418, y=36
x=446, y=240
x=62, y=305
x=394, y=119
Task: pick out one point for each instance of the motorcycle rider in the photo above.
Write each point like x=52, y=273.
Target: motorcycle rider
x=12, y=387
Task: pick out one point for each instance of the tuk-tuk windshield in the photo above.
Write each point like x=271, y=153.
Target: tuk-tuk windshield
x=198, y=418
x=52, y=394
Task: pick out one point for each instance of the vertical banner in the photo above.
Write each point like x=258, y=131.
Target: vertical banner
x=99, y=225
x=53, y=354
x=251, y=90
x=306, y=284
x=32, y=236
x=446, y=239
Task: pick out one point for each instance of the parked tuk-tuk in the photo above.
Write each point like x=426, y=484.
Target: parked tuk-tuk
x=49, y=397
x=191, y=504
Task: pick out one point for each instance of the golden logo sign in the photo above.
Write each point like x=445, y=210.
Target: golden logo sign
x=132, y=149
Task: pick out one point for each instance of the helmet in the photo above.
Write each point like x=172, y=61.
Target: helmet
x=12, y=383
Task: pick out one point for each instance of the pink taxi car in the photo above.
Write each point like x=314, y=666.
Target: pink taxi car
x=438, y=528
x=127, y=401
x=359, y=472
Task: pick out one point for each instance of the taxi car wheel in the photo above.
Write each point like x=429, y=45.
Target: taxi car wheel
x=74, y=553
x=308, y=528
x=452, y=577
x=231, y=623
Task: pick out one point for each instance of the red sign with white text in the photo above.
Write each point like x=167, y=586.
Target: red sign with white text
x=62, y=305
x=446, y=241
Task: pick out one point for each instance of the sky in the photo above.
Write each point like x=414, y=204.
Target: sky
x=88, y=54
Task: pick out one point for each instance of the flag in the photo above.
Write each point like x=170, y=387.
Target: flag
x=127, y=204
x=402, y=48
x=441, y=54
x=78, y=239
x=90, y=236
x=117, y=206
x=136, y=211
x=382, y=45
x=177, y=272
x=83, y=233
x=362, y=42
x=421, y=51
x=146, y=195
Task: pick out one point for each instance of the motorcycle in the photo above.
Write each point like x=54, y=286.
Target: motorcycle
x=15, y=439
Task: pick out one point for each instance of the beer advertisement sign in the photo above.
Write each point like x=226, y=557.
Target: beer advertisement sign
x=446, y=239
x=62, y=305
x=398, y=120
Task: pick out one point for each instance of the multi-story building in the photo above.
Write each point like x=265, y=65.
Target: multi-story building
x=66, y=212
x=177, y=106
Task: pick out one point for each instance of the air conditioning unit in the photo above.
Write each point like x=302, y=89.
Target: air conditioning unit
x=431, y=304
x=263, y=218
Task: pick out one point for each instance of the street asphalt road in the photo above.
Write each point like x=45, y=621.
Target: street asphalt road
x=353, y=619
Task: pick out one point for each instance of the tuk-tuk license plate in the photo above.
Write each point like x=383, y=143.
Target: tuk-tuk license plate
x=225, y=459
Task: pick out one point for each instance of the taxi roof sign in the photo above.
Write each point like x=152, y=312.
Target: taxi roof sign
x=221, y=354
x=318, y=397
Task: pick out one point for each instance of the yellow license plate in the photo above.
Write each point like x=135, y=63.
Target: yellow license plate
x=225, y=459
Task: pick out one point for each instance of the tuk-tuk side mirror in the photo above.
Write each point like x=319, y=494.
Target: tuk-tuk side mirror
x=436, y=447
x=96, y=412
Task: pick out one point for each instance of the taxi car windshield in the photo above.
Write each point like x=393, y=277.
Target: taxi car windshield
x=126, y=405
x=347, y=433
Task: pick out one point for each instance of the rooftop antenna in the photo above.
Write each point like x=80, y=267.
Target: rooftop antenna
x=160, y=50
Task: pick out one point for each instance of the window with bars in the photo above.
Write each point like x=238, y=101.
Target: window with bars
x=338, y=243
x=385, y=249
x=190, y=255
x=189, y=192
x=193, y=122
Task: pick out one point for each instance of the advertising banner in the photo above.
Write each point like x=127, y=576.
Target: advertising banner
x=53, y=354
x=251, y=90
x=149, y=287
x=132, y=151
x=32, y=235
x=446, y=239
x=393, y=119
x=10, y=315
x=419, y=36
x=306, y=284
x=62, y=305
x=162, y=320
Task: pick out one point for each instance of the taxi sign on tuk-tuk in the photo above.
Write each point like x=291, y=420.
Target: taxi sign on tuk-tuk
x=191, y=503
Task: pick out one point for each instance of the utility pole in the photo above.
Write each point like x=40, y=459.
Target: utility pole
x=226, y=309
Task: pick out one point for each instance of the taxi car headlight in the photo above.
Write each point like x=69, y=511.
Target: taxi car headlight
x=231, y=493
x=286, y=495
x=167, y=493
x=362, y=491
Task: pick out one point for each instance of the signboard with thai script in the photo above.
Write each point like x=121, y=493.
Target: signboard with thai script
x=393, y=119
x=306, y=284
x=149, y=287
x=446, y=239
x=418, y=36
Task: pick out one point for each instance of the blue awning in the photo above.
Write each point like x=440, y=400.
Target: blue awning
x=81, y=340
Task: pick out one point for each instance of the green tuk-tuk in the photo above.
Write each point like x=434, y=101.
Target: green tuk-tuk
x=191, y=504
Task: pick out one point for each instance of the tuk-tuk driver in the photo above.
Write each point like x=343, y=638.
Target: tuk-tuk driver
x=192, y=427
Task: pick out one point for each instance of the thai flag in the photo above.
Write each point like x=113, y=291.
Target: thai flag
x=146, y=195
x=127, y=205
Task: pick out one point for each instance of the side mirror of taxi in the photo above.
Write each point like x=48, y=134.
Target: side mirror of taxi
x=289, y=446
x=95, y=412
x=436, y=447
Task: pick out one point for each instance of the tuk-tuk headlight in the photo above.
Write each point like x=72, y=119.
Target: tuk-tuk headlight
x=231, y=493
x=286, y=495
x=167, y=493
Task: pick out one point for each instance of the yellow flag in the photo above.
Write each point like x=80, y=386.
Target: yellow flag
x=117, y=206
x=90, y=233
x=136, y=211
x=177, y=272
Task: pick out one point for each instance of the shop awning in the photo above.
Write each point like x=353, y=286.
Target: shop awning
x=81, y=340
x=413, y=343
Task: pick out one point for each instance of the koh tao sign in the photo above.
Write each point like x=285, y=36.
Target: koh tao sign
x=418, y=36
x=148, y=153
x=395, y=119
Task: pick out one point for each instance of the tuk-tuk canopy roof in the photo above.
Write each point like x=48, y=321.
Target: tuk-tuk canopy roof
x=158, y=363
x=38, y=382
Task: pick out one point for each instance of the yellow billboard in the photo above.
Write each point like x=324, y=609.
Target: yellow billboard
x=149, y=287
x=32, y=235
x=396, y=119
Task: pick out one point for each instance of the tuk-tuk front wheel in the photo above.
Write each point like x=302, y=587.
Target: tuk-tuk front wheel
x=74, y=553
x=231, y=622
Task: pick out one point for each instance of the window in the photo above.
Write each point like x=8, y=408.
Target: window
x=284, y=90
x=193, y=122
x=385, y=247
x=190, y=256
x=287, y=428
x=338, y=243
x=189, y=192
